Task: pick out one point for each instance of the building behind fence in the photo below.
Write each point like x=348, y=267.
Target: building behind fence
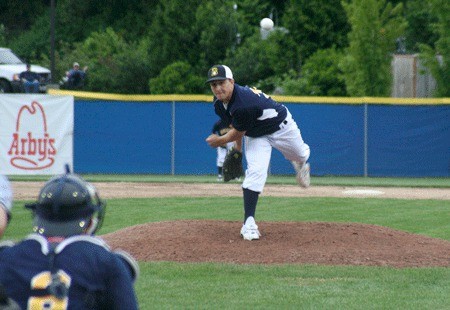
x=410, y=78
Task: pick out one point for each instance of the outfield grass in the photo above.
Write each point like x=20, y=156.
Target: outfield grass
x=226, y=286
x=169, y=285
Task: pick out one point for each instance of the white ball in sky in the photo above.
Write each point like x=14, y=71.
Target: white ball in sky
x=266, y=23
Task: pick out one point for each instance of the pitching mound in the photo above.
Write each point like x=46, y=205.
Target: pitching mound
x=281, y=242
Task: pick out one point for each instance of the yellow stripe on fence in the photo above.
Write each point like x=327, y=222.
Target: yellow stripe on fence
x=120, y=97
x=290, y=99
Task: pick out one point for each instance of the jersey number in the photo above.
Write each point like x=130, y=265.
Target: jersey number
x=42, y=281
x=258, y=92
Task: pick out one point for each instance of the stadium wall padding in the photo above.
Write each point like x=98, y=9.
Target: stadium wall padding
x=128, y=137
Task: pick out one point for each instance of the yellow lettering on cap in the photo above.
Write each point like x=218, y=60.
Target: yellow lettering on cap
x=214, y=71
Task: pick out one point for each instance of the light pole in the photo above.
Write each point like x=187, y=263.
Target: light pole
x=52, y=40
x=237, y=38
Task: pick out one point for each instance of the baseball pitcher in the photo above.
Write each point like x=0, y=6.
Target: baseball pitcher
x=265, y=124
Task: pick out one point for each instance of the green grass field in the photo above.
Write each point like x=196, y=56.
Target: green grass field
x=169, y=285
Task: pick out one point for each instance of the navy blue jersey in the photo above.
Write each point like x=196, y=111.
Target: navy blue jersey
x=96, y=277
x=221, y=127
x=252, y=111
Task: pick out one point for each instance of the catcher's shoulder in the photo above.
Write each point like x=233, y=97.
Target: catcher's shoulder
x=6, y=244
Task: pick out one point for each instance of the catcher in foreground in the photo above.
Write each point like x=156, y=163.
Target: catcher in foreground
x=62, y=264
x=265, y=124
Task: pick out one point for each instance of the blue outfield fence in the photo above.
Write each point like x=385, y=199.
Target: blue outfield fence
x=409, y=141
x=384, y=137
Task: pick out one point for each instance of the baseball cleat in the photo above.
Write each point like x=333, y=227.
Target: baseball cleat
x=249, y=230
x=219, y=178
x=303, y=174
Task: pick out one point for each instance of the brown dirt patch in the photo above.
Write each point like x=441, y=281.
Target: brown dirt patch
x=287, y=242
x=281, y=242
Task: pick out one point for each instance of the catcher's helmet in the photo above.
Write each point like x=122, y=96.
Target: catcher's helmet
x=67, y=205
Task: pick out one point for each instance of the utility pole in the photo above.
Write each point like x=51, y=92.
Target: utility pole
x=52, y=39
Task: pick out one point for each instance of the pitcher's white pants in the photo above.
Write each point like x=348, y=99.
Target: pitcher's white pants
x=288, y=140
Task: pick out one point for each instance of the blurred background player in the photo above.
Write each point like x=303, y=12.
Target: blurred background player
x=220, y=128
x=62, y=264
x=265, y=124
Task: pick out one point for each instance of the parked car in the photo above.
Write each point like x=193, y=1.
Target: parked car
x=10, y=68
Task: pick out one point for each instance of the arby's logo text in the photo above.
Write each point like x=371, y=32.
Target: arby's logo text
x=32, y=147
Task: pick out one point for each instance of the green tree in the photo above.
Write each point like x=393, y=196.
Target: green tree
x=251, y=12
x=2, y=35
x=420, y=18
x=315, y=24
x=76, y=20
x=248, y=63
x=367, y=64
x=133, y=70
x=171, y=36
x=177, y=78
x=152, y=35
x=320, y=76
x=114, y=65
x=257, y=60
x=19, y=16
x=217, y=23
x=33, y=45
x=436, y=59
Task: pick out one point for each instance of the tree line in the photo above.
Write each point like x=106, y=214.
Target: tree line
x=317, y=47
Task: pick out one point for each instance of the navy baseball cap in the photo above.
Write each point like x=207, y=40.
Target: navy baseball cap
x=219, y=72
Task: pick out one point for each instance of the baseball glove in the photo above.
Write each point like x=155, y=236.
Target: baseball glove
x=232, y=165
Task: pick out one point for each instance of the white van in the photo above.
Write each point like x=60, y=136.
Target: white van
x=10, y=68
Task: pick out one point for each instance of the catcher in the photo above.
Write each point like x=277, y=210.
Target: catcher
x=62, y=265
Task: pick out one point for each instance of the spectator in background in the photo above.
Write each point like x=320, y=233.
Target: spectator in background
x=30, y=80
x=76, y=76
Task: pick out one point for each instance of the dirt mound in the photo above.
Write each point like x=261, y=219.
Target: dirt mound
x=281, y=242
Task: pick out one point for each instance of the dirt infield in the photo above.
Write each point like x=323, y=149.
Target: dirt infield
x=29, y=190
x=281, y=242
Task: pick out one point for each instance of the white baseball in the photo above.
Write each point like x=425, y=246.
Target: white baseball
x=266, y=23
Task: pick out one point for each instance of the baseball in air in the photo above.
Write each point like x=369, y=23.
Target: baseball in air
x=266, y=23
